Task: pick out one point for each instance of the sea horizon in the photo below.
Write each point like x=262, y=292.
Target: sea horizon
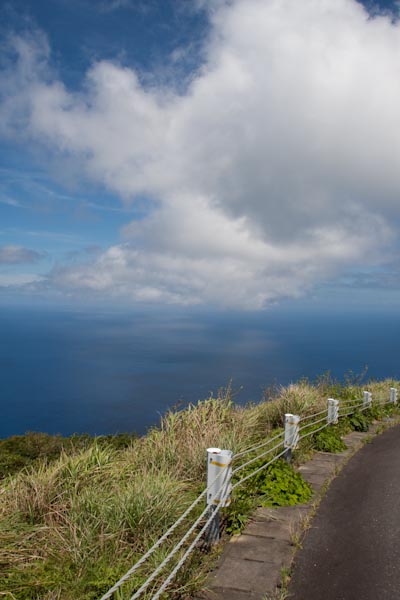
x=100, y=371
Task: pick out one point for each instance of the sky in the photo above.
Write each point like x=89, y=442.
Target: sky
x=231, y=154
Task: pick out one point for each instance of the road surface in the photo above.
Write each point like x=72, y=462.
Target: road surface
x=352, y=551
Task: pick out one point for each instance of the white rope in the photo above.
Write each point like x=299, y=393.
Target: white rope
x=149, y=552
x=249, y=462
x=169, y=556
x=307, y=417
x=158, y=543
x=359, y=406
x=313, y=431
x=254, y=448
x=193, y=544
x=179, y=544
x=342, y=405
x=190, y=549
x=355, y=406
x=382, y=401
x=347, y=402
x=312, y=424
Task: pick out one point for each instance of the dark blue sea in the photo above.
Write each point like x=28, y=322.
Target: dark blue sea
x=105, y=371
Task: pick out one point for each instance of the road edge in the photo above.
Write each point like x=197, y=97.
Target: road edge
x=257, y=563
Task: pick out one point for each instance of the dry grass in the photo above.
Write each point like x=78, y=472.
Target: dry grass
x=70, y=529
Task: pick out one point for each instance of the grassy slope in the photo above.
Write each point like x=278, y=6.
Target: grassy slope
x=70, y=527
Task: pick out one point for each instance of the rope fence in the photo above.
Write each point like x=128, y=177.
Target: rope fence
x=317, y=414
x=254, y=448
x=219, y=487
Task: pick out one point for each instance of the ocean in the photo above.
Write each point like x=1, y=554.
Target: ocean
x=71, y=371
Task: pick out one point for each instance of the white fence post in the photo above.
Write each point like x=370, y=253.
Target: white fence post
x=393, y=395
x=291, y=434
x=367, y=400
x=219, y=475
x=333, y=411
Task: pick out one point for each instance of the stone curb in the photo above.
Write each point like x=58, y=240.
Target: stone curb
x=251, y=564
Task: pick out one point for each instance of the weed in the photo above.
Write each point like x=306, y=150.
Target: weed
x=359, y=421
x=281, y=485
x=277, y=485
x=329, y=440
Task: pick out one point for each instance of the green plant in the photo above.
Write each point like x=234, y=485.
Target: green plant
x=379, y=411
x=277, y=485
x=237, y=515
x=281, y=485
x=359, y=421
x=329, y=440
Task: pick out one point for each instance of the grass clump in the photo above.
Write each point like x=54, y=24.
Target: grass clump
x=20, y=451
x=79, y=512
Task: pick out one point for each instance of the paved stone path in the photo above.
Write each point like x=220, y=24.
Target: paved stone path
x=352, y=550
x=251, y=564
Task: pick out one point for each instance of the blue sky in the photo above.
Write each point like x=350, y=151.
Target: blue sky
x=213, y=153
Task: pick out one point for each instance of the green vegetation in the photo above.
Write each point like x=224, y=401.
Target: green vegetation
x=76, y=513
x=359, y=421
x=277, y=485
x=21, y=451
x=329, y=440
x=281, y=485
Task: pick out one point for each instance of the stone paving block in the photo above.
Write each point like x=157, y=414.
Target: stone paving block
x=342, y=455
x=325, y=460
x=325, y=470
x=226, y=594
x=355, y=438
x=316, y=480
x=246, y=576
x=285, y=512
x=269, y=529
x=316, y=470
x=291, y=516
x=251, y=547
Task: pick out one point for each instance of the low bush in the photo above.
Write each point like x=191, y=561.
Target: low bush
x=329, y=440
x=276, y=485
x=281, y=485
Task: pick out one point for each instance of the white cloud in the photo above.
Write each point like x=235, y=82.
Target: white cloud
x=277, y=168
x=17, y=280
x=14, y=255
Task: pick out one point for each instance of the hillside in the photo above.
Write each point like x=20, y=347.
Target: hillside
x=75, y=520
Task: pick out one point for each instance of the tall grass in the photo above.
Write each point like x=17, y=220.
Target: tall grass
x=70, y=528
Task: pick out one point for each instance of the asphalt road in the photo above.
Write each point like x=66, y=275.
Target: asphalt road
x=352, y=551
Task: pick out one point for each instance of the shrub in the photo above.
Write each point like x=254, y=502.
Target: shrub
x=281, y=485
x=329, y=440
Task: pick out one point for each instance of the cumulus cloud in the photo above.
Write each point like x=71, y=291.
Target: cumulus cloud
x=277, y=167
x=14, y=255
